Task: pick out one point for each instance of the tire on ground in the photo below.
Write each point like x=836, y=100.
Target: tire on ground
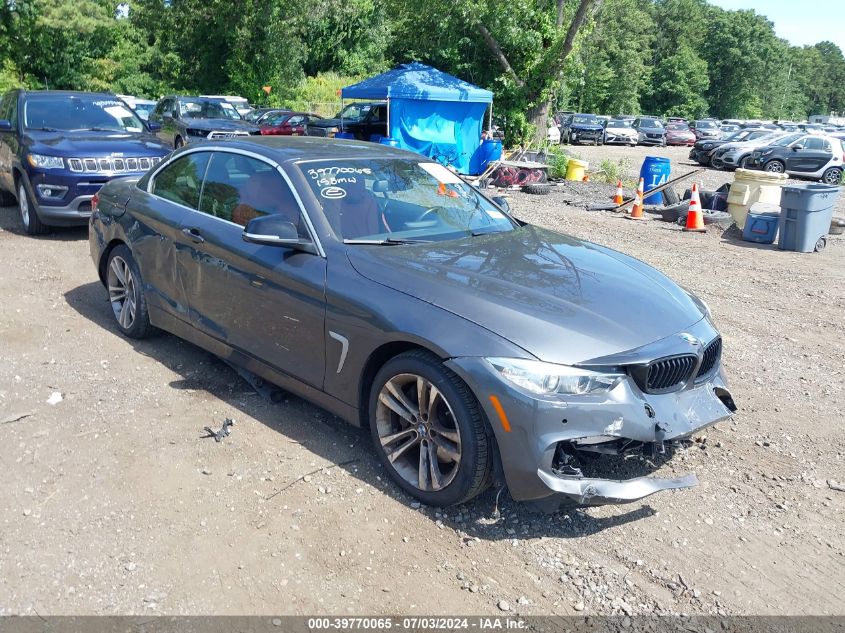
x=537, y=189
x=475, y=467
x=140, y=326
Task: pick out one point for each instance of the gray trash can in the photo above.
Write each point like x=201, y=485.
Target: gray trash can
x=806, y=213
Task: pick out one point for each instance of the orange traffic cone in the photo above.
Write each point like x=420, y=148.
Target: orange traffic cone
x=619, y=198
x=695, y=219
x=637, y=209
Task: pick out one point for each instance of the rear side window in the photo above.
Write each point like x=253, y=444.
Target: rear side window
x=181, y=180
x=239, y=188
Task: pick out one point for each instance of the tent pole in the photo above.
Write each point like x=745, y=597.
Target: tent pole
x=341, y=112
x=388, y=117
x=490, y=122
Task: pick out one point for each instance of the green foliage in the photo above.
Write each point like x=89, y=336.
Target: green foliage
x=664, y=57
x=320, y=94
x=558, y=161
x=614, y=171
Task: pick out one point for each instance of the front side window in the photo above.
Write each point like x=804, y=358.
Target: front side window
x=400, y=199
x=181, y=180
x=69, y=113
x=239, y=188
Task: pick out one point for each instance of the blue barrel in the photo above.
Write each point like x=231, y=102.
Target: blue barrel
x=494, y=148
x=489, y=150
x=348, y=135
x=386, y=140
x=655, y=171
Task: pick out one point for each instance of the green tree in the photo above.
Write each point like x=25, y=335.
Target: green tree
x=616, y=56
x=682, y=82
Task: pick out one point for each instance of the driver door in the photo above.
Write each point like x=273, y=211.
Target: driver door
x=265, y=301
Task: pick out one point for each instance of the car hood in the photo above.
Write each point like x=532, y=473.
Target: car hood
x=711, y=142
x=686, y=133
x=90, y=143
x=627, y=131
x=742, y=145
x=233, y=125
x=561, y=299
x=651, y=130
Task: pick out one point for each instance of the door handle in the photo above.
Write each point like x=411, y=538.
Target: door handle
x=194, y=234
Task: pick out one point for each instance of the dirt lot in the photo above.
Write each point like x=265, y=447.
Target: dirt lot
x=113, y=504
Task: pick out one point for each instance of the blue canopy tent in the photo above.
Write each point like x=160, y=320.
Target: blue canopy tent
x=430, y=112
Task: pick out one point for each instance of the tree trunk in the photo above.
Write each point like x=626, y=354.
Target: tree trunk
x=538, y=116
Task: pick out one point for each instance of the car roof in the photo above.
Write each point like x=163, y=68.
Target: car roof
x=66, y=93
x=295, y=148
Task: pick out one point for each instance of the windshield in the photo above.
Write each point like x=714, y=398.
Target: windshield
x=678, y=127
x=705, y=124
x=653, y=123
x=620, y=123
x=207, y=109
x=400, y=200
x=355, y=111
x=585, y=119
x=79, y=112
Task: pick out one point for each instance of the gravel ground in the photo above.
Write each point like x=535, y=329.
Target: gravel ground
x=113, y=503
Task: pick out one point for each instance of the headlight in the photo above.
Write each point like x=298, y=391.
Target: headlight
x=45, y=162
x=549, y=379
x=765, y=151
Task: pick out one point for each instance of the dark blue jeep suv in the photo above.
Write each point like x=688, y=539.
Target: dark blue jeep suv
x=58, y=148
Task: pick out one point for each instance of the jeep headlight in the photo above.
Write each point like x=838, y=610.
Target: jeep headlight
x=45, y=162
x=550, y=379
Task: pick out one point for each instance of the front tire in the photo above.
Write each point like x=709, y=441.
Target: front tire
x=126, y=294
x=774, y=166
x=178, y=142
x=28, y=213
x=429, y=430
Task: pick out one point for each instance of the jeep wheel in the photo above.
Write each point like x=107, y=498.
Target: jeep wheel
x=32, y=224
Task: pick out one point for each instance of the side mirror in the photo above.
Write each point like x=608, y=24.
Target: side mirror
x=275, y=230
x=795, y=148
x=5, y=125
x=154, y=126
x=502, y=203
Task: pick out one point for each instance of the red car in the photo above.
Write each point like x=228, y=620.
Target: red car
x=287, y=123
x=679, y=134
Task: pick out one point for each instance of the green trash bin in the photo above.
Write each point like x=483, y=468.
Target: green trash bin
x=805, y=216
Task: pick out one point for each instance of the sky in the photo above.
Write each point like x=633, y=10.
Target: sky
x=807, y=22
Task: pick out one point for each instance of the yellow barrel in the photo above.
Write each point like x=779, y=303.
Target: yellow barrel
x=575, y=169
x=751, y=187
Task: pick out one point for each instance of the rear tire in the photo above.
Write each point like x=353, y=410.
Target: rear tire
x=440, y=452
x=126, y=294
x=28, y=213
x=832, y=176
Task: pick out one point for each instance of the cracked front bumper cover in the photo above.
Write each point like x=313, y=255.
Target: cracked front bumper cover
x=587, y=491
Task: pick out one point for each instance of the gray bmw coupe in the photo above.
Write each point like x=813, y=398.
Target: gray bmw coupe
x=382, y=287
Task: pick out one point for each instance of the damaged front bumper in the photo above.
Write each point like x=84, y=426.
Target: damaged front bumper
x=541, y=439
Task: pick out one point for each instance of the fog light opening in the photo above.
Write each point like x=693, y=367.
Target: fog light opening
x=725, y=397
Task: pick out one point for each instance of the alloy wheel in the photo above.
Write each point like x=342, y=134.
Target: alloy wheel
x=122, y=292
x=774, y=167
x=832, y=177
x=23, y=205
x=418, y=432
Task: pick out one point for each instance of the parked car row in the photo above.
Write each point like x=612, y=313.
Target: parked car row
x=808, y=155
